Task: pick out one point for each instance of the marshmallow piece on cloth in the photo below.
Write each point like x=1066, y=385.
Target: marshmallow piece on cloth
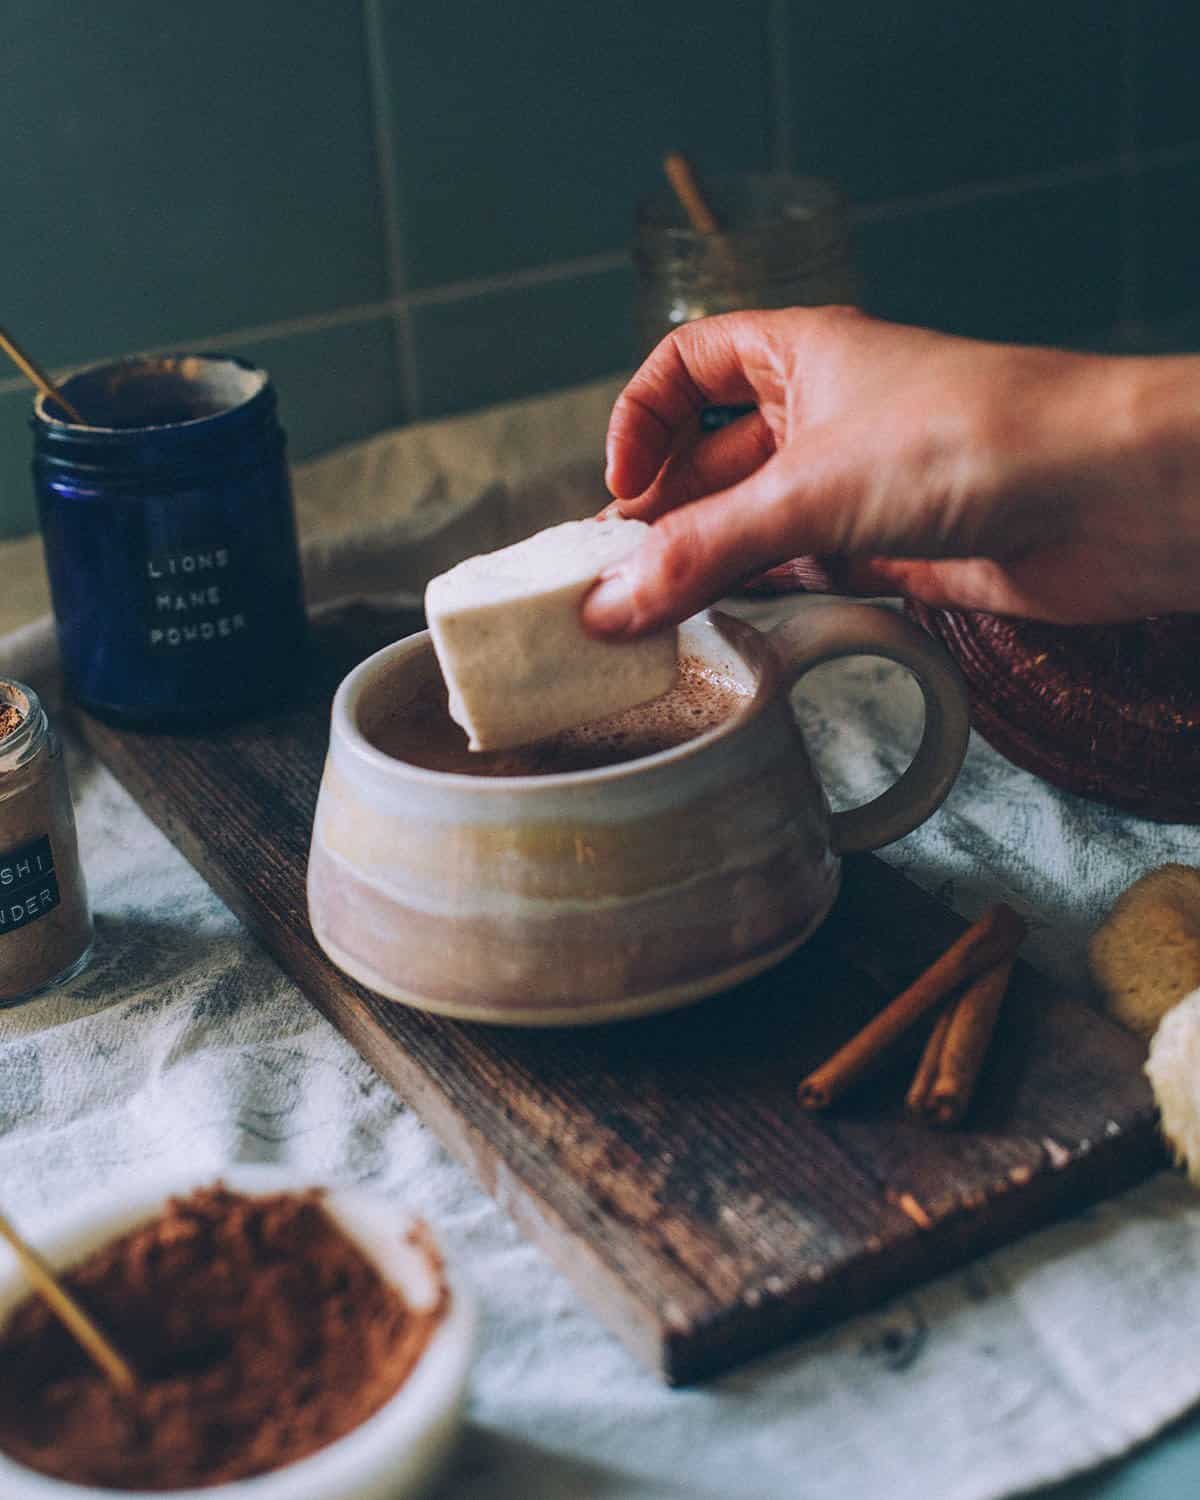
x=1173, y=1069
x=511, y=646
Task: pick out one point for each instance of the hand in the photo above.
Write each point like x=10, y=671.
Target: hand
x=1022, y=481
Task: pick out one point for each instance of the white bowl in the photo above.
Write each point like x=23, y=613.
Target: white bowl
x=395, y=1453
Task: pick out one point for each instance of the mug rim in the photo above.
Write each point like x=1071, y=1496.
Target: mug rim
x=749, y=644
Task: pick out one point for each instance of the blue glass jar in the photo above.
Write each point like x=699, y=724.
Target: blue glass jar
x=170, y=541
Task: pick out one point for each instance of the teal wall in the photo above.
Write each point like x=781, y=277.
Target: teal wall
x=407, y=209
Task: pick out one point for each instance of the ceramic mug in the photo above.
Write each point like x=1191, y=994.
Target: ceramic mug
x=594, y=895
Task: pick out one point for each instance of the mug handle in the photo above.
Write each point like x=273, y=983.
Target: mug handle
x=828, y=631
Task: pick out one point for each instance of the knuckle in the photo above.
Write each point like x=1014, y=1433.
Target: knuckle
x=834, y=317
x=620, y=419
x=676, y=354
x=676, y=549
x=843, y=311
x=667, y=566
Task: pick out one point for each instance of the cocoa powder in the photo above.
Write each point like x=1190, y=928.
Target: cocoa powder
x=259, y=1330
x=10, y=719
x=422, y=732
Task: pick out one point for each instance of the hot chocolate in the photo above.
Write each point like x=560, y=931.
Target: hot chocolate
x=422, y=732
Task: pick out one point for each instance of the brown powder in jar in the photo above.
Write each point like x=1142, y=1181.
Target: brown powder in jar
x=45, y=920
x=259, y=1330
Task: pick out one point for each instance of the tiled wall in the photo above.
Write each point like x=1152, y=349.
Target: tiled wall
x=406, y=208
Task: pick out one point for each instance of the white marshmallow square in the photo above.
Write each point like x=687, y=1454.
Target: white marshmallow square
x=517, y=662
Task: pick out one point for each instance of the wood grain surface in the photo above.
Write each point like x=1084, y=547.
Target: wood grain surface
x=664, y=1164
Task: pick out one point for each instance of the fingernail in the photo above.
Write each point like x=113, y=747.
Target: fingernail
x=608, y=609
x=611, y=512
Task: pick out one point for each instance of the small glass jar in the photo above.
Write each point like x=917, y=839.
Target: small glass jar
x=784, y=241
x=45, y=920
x=170, y=541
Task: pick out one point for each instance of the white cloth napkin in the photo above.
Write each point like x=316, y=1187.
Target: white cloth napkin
x=183, y=1043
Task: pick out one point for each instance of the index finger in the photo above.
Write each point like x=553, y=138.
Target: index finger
x=692, y=368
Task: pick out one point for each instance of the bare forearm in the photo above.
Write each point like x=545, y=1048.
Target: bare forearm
x=1155, y=483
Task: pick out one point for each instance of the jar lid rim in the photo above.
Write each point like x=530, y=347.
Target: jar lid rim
x=182, y=366
x=21, y=744
x=659, y=211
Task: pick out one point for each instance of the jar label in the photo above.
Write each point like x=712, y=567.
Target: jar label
x=193, y=598
x=28, y=884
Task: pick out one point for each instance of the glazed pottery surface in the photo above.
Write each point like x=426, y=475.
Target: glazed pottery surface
x=594, y=895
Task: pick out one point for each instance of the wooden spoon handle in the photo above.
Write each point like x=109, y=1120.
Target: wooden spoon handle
x=36, y=375
x=95, y=1343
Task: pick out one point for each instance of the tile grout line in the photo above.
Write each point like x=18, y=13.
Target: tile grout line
x=1168, y=156
x=388, y=169
x=1130, y=310
x=964, y=195
x=342, y=317
x=779, y=81
x=886, y=209
x=1129, y=102
x=514, y=281
x=397, y=307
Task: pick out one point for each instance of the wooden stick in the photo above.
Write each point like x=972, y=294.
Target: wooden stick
x=972, y=1021
x=705, y=223
x=36, y=375
x=687, y=190
x=996, y=936
x=61, y=1303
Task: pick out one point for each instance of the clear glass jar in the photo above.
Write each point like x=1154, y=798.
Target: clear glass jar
x=784, y=242
x=45, y=919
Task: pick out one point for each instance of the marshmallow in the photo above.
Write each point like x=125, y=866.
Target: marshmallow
x=511, y=646
x=1174, y=1072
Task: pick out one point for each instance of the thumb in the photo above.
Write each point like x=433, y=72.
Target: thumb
x=697, y=553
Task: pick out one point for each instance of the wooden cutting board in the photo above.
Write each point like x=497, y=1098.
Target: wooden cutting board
x=664, y=1164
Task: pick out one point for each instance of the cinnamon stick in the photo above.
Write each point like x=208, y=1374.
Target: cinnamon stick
x=952, y=1073
x=917, y=1099
x=996, y=936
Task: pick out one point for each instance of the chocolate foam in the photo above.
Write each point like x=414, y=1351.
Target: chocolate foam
x=422, y=732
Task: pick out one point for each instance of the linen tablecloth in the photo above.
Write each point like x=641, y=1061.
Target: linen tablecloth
x=184, y=1043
